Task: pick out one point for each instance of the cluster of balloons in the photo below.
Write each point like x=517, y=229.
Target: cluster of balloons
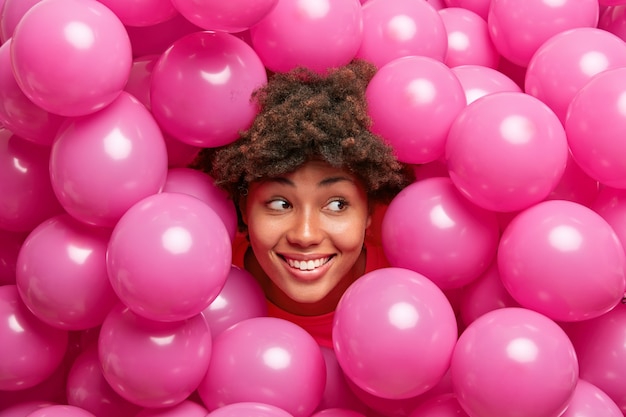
x=118, y=295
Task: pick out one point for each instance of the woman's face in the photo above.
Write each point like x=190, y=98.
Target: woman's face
x=306, y=231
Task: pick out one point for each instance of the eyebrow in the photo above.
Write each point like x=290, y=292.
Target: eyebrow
x=326, y=182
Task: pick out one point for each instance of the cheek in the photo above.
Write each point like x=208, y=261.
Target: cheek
x=349, y=236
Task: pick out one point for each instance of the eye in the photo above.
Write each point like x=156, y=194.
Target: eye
x=337, y=205
x=278, y=204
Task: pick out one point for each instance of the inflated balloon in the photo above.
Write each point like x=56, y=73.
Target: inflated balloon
x=412, y=102
x=506, y=151
x=564, y=260
x=444, y=405
x=227, y=16
x=103, y=163
x=283, y=37
x=393, y=333
x=10, y=245
x=575, y=185
x=249, y=408
x=202, y=186
x=153, y=364
x=201, y=88
x=469, y=42
x=141, y=12
x=17, y=112
x=62, y=274
x=25, y=408
x=590, y=401
x=513, y=362
x=59, y=410
x=31, y=350
x=241, y=298
x=169, y=256
x=27, y=195
x=397, y=28
x=594, y=119
x=480, y=7
x=539, y=20
x=280, y=362
x=86, y=34
x=430, y=228
x=610, y=203
x=187, y=408
x=567, y=61
x=155, y=39
x=338, y=412
x=478, y=81
x=87, y=388
x=612, y=19
x=11, y=12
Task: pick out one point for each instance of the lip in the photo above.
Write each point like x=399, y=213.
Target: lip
x=307, y=275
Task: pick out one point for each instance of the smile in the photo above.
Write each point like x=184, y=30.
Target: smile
x=309, y=265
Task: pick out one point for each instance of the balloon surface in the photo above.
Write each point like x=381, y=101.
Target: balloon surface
x=227, y=16
x=141, y=12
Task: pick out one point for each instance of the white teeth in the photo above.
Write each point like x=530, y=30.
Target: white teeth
x=307, y=265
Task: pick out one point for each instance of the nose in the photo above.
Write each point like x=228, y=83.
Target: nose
x=305, y=229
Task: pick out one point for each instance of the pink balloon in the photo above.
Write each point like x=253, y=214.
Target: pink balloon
x=564, y=260
x=141, y=12
x=397, y=28
x=337, y=412
x=231, y=16
x=11, y=12
x=612, y=19
x=283, y=38
x=478, y=81
x=88, y=35
x=432, y=229
x=611, y=205
x=538, y=20
x=201, y=88
x=202, y=186
x=17, y=112
x=575, y=185
x=567, y=61
x=601, y=349
x=169, y=257
x=247, y=409
x=480, y=7
x=103, y=163
x=393, y=333
x=87, y=388
x=58, y=410
x=26, y=194
x=23, y=409
x=155, y=39
x=590, y=401
x=62, y=276
x=469, y=42
x=153, y=364
x=241, y=298
x=267, y=360
x=513, y=362
x=30, y=350
x=506, y=151
x=186, y=408
x=10, y=245
x=444, y=405
x=484, y=294
x=386, y=407
x=412, y=102
x=594, y=119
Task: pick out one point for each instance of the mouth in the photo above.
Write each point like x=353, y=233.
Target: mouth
x=307, y=265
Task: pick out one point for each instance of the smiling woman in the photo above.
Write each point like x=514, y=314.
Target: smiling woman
x=307, y=178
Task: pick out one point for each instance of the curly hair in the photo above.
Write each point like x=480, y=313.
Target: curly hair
x=305, y=116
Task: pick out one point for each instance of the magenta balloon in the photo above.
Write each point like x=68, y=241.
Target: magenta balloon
x=27, y=197
x=538, y=20
x=241, y=298
x=141, y=12
x=17, y=112
x=612, y=19
x=105, y=162
x=247, y=409
x=480, y=7
x=153, y=364
x=575, y=185
x=283, y=38
x=186, y=408
x=394, y=332
x=506, y=151
x=337, y=391
x=432, y=229
x=397, y=28
x=484, y=294
x=23, y=409
x=513, y=362
x=59, y=410
x=567, y=61
x=10, y=245
x=337, y=412
x=444, y=405
x=478, y=81
x=412, y=102
x=590, y=401
x=30, y=350
x=87, y=388
x=564, y=260
x=385, y=406
x=162, y=260
x=201, y=88
x=594, y=118
x=610, y=203
x=11, y=13
x=469, y=42
x=266, y=360
x=227, y=16
x=88, y=35
x=202, y=186
x=62, y=275
x=155, y=39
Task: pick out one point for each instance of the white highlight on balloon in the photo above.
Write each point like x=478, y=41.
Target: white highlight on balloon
x=403, y=315
x=177, y=240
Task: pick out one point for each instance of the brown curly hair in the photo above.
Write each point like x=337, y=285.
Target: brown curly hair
x=305, y=116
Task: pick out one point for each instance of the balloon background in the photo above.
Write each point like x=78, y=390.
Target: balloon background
x=508, y=263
